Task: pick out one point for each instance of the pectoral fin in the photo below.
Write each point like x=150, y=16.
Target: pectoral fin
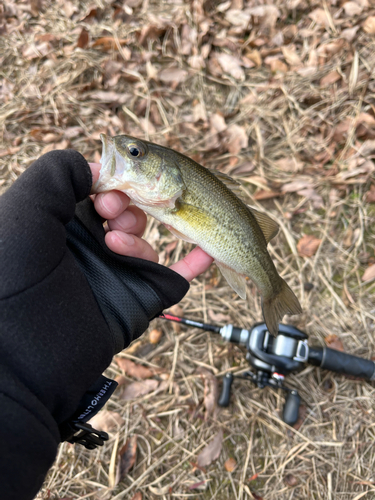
x=235, y=280
x=269, y=227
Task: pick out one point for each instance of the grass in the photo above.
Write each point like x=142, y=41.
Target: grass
x=51, y=99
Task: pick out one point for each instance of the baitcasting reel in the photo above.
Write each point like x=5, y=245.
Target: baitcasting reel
x=275, y=357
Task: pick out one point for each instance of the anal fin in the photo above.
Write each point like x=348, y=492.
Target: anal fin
x=235, y=280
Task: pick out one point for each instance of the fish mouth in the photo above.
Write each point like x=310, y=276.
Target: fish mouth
x=108, y=163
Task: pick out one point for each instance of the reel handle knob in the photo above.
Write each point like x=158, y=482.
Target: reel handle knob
x=225, y=392
x=291, y=408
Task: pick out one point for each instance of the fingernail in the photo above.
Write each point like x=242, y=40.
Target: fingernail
x=125, y=238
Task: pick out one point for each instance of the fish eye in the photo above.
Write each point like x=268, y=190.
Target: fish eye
x=136, y=150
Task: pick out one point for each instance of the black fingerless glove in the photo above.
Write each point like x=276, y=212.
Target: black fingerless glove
x=67, y=304
x=129, y=291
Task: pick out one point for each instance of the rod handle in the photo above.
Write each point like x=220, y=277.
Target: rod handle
x=341, y=362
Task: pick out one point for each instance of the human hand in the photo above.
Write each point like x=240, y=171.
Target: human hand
x=126, y=225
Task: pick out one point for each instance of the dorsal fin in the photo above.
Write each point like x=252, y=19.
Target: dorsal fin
x=269, y=227
x=231, y=184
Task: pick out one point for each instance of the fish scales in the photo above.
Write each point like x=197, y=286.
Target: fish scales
x=233, y=229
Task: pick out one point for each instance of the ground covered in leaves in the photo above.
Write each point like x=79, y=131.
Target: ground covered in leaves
x=281, y=96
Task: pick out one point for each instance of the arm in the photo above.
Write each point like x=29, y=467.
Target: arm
x=57, y=335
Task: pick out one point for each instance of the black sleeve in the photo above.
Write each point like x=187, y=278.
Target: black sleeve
x=57, y=333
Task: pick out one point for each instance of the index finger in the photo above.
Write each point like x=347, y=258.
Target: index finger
x=195, y=263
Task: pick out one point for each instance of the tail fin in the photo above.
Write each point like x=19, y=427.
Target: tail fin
x=274, y=308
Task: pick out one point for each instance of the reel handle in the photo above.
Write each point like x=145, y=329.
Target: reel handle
x=225, y=392
x=291, y=408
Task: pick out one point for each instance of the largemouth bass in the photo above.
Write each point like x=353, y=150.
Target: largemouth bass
x=200, y=206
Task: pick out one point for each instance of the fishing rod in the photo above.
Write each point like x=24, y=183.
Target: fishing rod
x=273, y=358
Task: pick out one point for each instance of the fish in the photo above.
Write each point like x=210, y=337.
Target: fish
x=204, y=207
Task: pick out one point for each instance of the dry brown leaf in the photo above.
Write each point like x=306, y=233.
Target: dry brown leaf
x=134, y=369
x=211, y=391
x=83, y=39
x=91, y=12
x=137, y=496
x=365, y=126
x=173, y=76
x=254, y=55
x=126, y=458
x=138, y=389
x=69, y=8
x=188, y=37
x=319, y=16
x=106, y=420
x=263, y=194
x=292, y=187
x=212, y=451
x=217, y=122
x=289, y=164
x=213, y=66
x=243, y=168
x=369, y=25
x=150, y=32
x=34, y=51
x=308, y=245
x=330, y=78
x=134, y=346
x=352, y=9
x=121, y=380
x=176, y=310
x=367, y=148
x=236, y=138
x=268, y=14
x=237, y=17
x=366, y=168
x=199, y=112
x=230, y=464
x=108, y=43
x=231, y=65
x=155, y=335
x=275, y=64
x=290, y=55
x=109, y=96
x=369, y=273
x=350, y=33
x=313, y=196
x=197, y=61
x=9, y=151
x=340, y=132
x=333, y=342
x=370, y=195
